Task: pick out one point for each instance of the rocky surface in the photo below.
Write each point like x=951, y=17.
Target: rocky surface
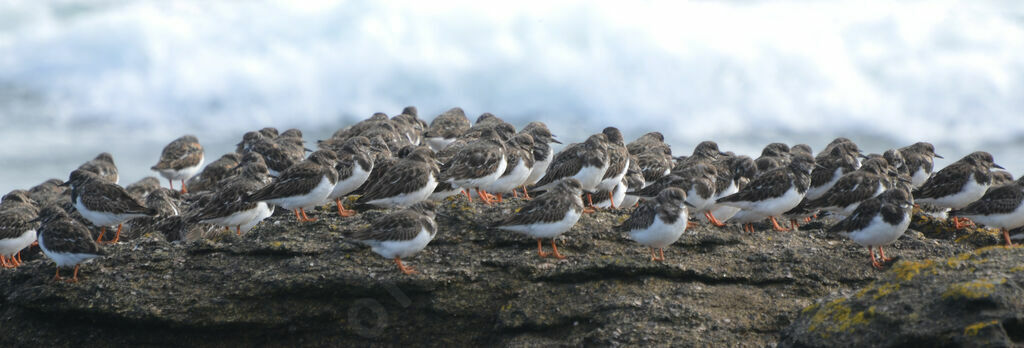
x=286, y=283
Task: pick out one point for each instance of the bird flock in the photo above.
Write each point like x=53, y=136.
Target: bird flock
x=406, y=165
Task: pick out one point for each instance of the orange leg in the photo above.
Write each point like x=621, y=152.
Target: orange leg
x=515, y=194
x=662, y=252
x=882, y=254
x=57, y=277
x=468, y=195
x=653, y=256
x=1006, y=237
x=874, y=262
x=484, y=196
x=499, y=197
x=19, y=257
x=304, y=217
x=554, y=252
x=775, y=225
x=691, y=224
x=526, y=194
x=611, y=200
x=807, y=220
x=183, y=188
x=748, y=228
x=14, y=262
x=406, y=270
x=714, y=221
x=117, y=236
x=238, y=229
x=540, y=249
x=103, y=230
x=3, y=262
x=170, y=183
x=590, y=206
x=342, y=211
x=297, y=217
x=74, y=278
x=793, y=225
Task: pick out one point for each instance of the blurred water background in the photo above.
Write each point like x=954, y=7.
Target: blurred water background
x=127, y=77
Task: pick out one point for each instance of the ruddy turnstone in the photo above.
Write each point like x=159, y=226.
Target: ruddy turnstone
x=354, y=166
x=49, y=192
x=873, y=178
x=774, y=155
x=180, y=160
x=401, y=234
x=776, y=191
x=17, y=226
x=919, y=159
x=1001, y=207
x=519, y=164
x=1000, y=177
x=503, y=129
x=548, y=215
x=878, y=221
x=618, y=162
x=706, y=151
x=831, y=166
x=104, y=203
x=612, y=199
x=477, y=165
x=586, y=162
x=406, y=182
x=302, y=185
x=230, y=206
x=958, y=184
x=65, y=241
x=659, y=222
x=103, y=166
x=445, y=128
x=215, y=171
x=653, y=155
x=697, y=180
x=142, y=188
x=738, y=171
x=634, y=181
x=542, y=152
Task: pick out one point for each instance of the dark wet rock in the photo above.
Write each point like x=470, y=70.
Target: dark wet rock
x=286, y=283
x=972, y=299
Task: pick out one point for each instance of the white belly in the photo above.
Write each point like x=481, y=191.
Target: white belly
x=815, y=192
x=103, y=219
x=407, y=199
x=589, y=177
x=919, y=177
x=517, y=177
x=540, y=168
x=1008, y=221
x=484, y=181
x=660, y=234
x=438, y=143
x=64, y=259
x=609, y=183
x=879, y=233
x=546, y=230
x=184, y=173
x=618, y=195
x=401, y=249
x=629, y=201
x=772, y=206
x=315, y=197
x=700, y=204
x=971, y=192
x=12, y=246
x=351, y=183
x=264, y=211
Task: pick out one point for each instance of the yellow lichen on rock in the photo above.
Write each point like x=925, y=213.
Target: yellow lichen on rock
x=907, y=270
x=972, y=330
x=886, y=289
x=974, y=289
x=837, y=317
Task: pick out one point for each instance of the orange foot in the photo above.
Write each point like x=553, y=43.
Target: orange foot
x=775, y=225
x=714, y=221
x=962, y=222
x=874, y=261
x=304, y=217
x=748, y=228
x=1006, y=237
x=881, y=253
x=655, y=258
x=611, y=200
x=117, y=236
x=4, y=263
x=57, y=277
x=691, y=224
x=468, y=195
x=103, y=230
x=74, y=278
x=342, y=211
x=403, y=268
x=183, y=188
x=554, y=252
x=589, y=210
x=540, y=249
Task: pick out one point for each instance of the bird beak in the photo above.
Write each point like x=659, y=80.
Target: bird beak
x=37, y=219
x=862, y=155
x=307, y=149
x=553, y=140
x=65, y=184
x=688, y=204
x=997, y=166
x=819, y=166
x=937, y=155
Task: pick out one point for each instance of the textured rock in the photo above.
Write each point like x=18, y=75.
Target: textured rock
x=286, y=283
x=972, y=299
